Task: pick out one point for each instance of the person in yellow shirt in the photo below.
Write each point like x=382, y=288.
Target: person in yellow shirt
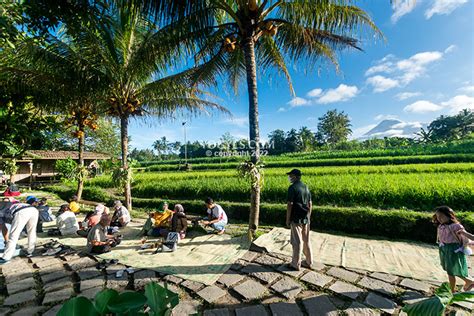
x=158, y=223
x=73, y=205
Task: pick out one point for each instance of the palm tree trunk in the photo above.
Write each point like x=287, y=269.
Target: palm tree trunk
x=124, y=141
x=251, y=68
x=80, y=181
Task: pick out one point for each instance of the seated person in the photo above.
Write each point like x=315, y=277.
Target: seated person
x=179, y=221
x=66, y=221
x=216, y=216
x=97, y=240
x=44, y=211
x=73, y=205
x=161, y=224
x=121, y=215
x=92, y=219
x=12, y=190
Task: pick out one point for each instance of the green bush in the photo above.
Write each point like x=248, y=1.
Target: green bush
x=90, y=193
x=156, y=301
x=394, y=224
x=66, y=168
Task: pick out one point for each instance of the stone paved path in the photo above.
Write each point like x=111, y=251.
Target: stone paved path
x=258, y=284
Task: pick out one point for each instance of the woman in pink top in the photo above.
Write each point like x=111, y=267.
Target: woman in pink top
x=452, y=258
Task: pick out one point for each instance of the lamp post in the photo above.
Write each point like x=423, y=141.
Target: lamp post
x=185, y=147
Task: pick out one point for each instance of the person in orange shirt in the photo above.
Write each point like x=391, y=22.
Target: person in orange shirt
x=161, y=222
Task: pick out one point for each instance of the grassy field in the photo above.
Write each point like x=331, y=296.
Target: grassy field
x=417, y=187
x=390, y=191
x=464, y=147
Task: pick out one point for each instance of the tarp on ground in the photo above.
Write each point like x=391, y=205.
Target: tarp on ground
x=407, y=259
x=202, y=259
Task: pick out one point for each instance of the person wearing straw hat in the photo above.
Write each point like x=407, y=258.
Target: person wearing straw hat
x=298, y=216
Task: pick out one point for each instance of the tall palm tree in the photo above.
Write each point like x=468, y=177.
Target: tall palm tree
x=139, y=64
x=234, y=36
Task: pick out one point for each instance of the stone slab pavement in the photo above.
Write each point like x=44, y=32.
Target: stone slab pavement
x=259, y=284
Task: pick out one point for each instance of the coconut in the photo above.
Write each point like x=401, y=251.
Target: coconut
x=253, y=6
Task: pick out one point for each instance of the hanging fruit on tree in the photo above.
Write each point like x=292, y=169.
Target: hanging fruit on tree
x=253, y=6
x=269, y=28
x=78, y=134
x=230, y=44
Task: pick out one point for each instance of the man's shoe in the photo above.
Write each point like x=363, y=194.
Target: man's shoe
x=3, y=261
x=292, y=267
x=304, y=264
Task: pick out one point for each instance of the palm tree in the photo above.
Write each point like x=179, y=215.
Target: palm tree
x=137, y=60
x=425, y=136
x=234, y=36
x=58, y=79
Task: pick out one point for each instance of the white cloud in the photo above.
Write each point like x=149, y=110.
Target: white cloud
x=281, y=109
x=407, y=124
x=443, y=7
x=314, y=93
x=389, y=133
x=339, y=94
x=297, y=101
x=381, y=83
x=237, y=121
x=407, y=95
x=361, y=131
x=467, y=89
x=458, y=103
x=401, y=8
x=415, y=66
x=422, y=106
x=402, y=71
x=382, y=117
x=450, y=49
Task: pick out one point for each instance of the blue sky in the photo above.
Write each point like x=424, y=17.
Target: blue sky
x=423, y=70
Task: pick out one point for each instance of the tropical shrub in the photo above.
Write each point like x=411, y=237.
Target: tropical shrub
x=66, y=168
x=436, y=305
x=158, y=299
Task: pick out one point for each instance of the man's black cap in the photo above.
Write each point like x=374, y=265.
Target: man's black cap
x=295, y=172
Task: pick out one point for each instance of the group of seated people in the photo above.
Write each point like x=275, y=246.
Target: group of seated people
x=100, y=227
x=164, y=220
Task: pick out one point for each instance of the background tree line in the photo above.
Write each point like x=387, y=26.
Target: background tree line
x=334, y=129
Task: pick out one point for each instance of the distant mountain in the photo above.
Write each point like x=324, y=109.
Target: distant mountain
x=393, y=128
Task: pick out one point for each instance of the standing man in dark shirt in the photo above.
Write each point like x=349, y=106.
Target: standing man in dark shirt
x=298, y=216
